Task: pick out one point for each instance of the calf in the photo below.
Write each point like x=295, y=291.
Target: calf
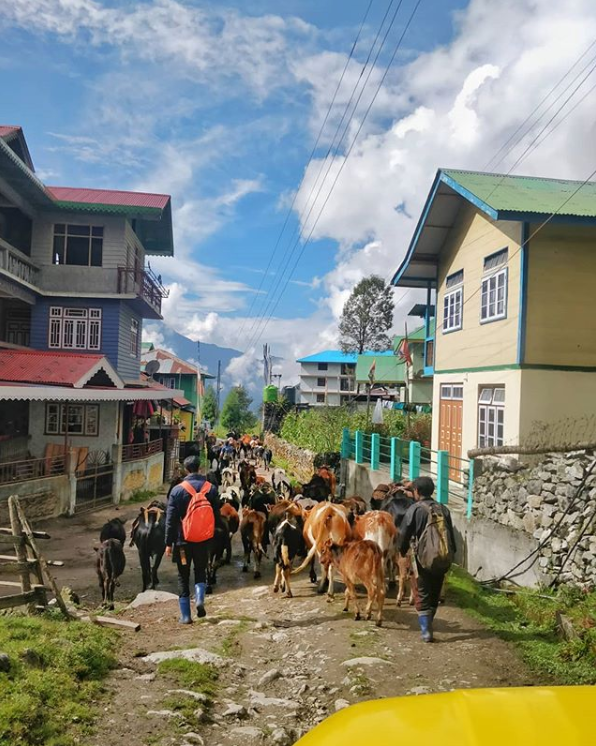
x=359, y=561
x=378, y=526
x=113, y=529
x=219, y=544
x=230, y=514
x=405, y=573
x=248, y=475
x=148, y=533
x=326, y=522
x=252, y=531
x=355, y=506
x=267, y=456
x=287, y=544
x=110, y=565
x=281, y=484
x=228, y=477
x=232, y=497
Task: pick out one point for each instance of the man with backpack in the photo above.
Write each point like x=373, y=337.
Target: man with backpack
x=429, y=524
x=191, y=517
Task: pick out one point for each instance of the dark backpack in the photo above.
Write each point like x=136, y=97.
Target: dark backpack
x=433, y=551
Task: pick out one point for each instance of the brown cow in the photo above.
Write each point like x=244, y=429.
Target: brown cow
x=252, y=531
x=405, y=572
x=327, y=473
x=325, y=522
x=359, y=561
x=229, y=512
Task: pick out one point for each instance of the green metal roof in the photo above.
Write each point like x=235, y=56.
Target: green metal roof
x=529, y=194
x=388, y=369
x=416, y=335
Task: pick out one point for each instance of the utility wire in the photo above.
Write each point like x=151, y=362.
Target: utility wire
x=311, y=156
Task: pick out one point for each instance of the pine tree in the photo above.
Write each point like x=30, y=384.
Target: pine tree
x=367, y=316
x=236, y=413
x=210, y=405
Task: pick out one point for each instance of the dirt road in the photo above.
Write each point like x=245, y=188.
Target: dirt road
x=285, y=663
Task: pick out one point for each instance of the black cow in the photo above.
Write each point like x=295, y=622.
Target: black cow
x=261, y=498
x=317, y=489
x=288, y=543
x=217, y=546
x=267, y=457
x=110, y=565
x=396, y=504
x=113, y=529
x=149, y=535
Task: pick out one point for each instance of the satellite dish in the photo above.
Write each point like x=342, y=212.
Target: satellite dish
x=152, y=367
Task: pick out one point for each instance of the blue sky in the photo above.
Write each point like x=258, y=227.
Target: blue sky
x=219, y=105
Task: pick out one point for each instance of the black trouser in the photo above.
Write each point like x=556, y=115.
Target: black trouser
x=197, y=554
x=429, y=590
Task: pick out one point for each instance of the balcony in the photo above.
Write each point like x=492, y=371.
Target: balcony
x=17, y=265
x=146, y=286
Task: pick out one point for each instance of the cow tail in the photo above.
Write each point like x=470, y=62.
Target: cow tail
x=309, y=557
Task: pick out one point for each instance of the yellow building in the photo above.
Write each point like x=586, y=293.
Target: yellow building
x=509, y=262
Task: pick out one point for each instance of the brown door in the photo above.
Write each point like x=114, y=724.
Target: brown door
x=450, y=426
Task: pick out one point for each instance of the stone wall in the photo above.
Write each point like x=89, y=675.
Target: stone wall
x=542, y=502
x=41, y=498
x=299, y=460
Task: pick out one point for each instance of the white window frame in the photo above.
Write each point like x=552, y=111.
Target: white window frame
x=74, y=328
x=134, y=337
x=452, y=391
x=83, y=419
x=453, y=310
x=495, y=308
x=491, y=416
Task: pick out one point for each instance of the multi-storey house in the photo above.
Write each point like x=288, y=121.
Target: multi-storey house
x=75, y=286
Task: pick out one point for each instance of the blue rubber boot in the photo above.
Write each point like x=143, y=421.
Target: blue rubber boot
x=426, y=626
x=184, y=603
x=200, y=589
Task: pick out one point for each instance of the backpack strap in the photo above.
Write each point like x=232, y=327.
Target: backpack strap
x=205, y=487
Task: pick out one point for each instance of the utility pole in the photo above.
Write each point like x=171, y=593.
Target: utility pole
x=218, y=386
x=198, y=408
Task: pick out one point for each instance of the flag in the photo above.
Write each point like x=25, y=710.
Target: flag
x=371, y=372
x=403, y=351
x=377, y=418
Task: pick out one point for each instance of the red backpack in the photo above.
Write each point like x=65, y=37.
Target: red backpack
x=199, y=522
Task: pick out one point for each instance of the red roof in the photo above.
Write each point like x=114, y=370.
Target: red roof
x=8, y=129
x=108, y=197
x=51, y=368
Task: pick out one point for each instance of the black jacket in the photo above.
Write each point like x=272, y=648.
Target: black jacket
x=415, y=521
x=178, y=505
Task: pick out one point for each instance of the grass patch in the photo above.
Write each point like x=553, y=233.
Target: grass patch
x=530, y=622
x=141, y=496
x=51, y=693
x=198, y=677
x=360, y=683
x=230, y=645
x=363, y=642
x=281, y=463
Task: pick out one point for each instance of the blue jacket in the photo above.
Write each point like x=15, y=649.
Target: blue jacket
x=178, y=505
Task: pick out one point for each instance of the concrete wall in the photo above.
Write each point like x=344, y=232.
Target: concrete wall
x=108, y=429
x=144, y=474
x=361, y=480
x=472, y=382
x=561, y=268
x=472, y=238
x=42, y=498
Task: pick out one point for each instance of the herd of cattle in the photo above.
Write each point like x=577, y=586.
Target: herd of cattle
x=302, y=523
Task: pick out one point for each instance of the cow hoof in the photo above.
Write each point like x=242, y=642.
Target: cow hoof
x=275, y=589
x=379, y=622
x=398, y=604
x=345, y=608
x=244, y=568
x=257, y=575
x=289, y=595
x=357, y=617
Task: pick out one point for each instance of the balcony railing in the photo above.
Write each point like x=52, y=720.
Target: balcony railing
x=17, y=264
x=33, y=468
x=144, y=284
x=136, y=451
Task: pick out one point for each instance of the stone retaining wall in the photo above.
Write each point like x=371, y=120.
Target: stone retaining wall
x=300, y=461
x=541, y=501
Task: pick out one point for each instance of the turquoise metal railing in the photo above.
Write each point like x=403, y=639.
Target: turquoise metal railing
x=408, y=459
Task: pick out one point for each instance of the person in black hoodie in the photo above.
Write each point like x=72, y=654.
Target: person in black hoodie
x=184, y=553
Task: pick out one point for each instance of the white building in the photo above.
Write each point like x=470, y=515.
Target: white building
x=327, y=378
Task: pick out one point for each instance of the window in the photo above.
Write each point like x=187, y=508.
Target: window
x=134, y=337
x=321, y=382
x=83, y=419
x=81, y=245
x=170, y=382
x=491, y=416
x=453, y=391
x=74, y=328
x=493, y=303
x=453, y=302
x=320, y=398
x=322, y=366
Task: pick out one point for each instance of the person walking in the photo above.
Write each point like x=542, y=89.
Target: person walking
x=191, y=517
x=429, y=524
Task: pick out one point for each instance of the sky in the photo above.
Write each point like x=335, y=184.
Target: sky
x=221, y=106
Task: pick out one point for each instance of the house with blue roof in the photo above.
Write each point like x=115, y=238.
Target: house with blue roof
x=508, y=263
x=327, y=378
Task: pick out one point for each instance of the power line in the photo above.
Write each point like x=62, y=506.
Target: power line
x=284, y=263
x=397, y=47
x=315, y=146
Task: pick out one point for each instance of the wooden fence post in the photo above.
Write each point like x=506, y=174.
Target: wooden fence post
x=375, y=451
x=443, y=477
x=414, y=459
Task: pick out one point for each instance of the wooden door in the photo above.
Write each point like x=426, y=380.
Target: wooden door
x=450, y=426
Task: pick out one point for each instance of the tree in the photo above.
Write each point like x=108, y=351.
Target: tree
x=210, y=405
x=236, y=413
x=367, y=316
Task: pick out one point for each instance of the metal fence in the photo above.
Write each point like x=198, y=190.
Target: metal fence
x=32, y=468
x=136, y=451
x=408, y=459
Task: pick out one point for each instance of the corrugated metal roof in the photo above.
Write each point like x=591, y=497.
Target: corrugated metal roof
x=109, y=197
x=168, y=363
x=8, y=129
x=387, y=369
x=52, y=368
x=337, y=356
x=530, y=194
